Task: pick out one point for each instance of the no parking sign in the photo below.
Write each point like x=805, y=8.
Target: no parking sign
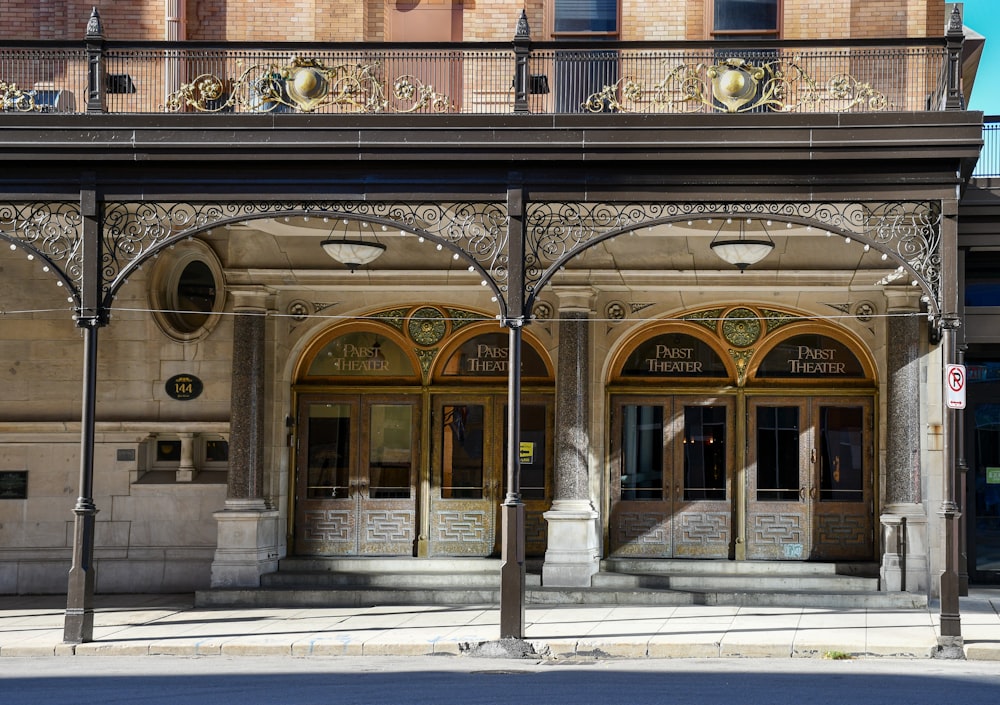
x=954, y=387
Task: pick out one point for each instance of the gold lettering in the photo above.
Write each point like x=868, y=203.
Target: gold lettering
x=664, y=351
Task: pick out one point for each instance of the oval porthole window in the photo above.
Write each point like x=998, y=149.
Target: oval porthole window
x=193, y=298
x=186, y=292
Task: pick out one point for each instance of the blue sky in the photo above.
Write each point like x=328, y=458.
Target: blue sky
x=984, y=17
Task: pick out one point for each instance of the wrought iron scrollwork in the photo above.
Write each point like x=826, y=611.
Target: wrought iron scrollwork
x=307, y=85
x=50, y=231
x=737, y=85
x=556, y=231
x=910, y=231
x=477, y=229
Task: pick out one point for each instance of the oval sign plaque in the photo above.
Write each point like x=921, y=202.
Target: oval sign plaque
x=184, y=387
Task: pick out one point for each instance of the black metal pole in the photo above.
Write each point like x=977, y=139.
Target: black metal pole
x=79, y=623
x=950, y=637
x=961, y=492
x=512, y=552
x=91, y=316
x=512, y=509
x=951, y=620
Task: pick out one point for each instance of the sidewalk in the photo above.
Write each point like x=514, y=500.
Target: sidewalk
x=169, y=624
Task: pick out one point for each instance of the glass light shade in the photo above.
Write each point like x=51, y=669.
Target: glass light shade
x=742, y=253
x=353, y=253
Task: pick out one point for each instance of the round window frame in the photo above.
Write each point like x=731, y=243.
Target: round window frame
x=165, y=280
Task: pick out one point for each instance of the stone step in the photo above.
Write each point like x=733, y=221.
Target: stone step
x=394, y=565
x=727, y=567
x=372, y=580
x=361, y=597
x=365, y=581
x=726, y=582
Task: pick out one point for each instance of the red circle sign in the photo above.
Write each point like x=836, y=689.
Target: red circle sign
x=956, y=378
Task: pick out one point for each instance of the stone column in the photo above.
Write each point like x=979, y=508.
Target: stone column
x=186, y=470
x=574, y=539
x=904, y=520
x=248, y=528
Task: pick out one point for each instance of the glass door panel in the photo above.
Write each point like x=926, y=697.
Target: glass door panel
x=465, y=477
x=841, y=471
x=536, y=471
x=388, y=477
x=703, y=511
x=843, y=511
x=779, y=461
x=672, y=492
x=326, y=516
x=463, y=452
x=642, y=467
x=329, y=451
x=390, y=452
x=705, y=461
x=777, y=511
x=810, y=485
x=641, y=503
x=356, y=475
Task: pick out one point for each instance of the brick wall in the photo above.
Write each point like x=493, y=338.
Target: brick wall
x=483, y=20
x=643, y=20
x=496, y=20
x=67, y=19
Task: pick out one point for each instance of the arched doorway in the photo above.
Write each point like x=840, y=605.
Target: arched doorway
x=400, y=436
x=742, y=433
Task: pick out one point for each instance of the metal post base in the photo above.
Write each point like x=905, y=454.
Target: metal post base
x=78, y=626
x=512, y=572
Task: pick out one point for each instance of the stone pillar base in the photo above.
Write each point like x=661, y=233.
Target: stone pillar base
x=912, y=541
x=574, y=544
x=247, y=546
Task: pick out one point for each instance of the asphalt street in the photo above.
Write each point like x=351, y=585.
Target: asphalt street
x=426, y=680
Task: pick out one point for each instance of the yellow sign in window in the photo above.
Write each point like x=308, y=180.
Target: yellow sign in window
x=527, y=454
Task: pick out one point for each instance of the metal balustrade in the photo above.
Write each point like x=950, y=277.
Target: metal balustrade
x=477, y=78
x=989, y=159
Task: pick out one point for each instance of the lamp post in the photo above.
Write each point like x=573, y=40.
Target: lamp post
x=78, y=626
x=512, y=509
x=951, y=619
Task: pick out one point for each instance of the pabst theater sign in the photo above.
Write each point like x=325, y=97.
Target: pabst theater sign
x=811, y=356
x=674, y=355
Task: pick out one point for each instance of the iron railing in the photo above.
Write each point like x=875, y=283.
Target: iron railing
x=989, y=158
x=97, y=76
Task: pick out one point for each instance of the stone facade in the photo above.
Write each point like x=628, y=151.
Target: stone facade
x=205, y=490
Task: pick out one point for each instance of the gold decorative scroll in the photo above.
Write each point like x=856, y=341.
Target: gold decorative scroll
x=737, y=86
x=15, y=99
x=307, y=85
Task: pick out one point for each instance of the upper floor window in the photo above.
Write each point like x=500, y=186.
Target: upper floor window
x=982, y=278
x=746, y=19
x=586, y=17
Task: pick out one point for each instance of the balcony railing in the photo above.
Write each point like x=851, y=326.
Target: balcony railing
x=98, y=76
x=989, y=159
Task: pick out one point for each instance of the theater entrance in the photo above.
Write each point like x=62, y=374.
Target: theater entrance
x=742, y=434
x=808, y=479
x=399, y=437
x=470, y=479
x=357, y=479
